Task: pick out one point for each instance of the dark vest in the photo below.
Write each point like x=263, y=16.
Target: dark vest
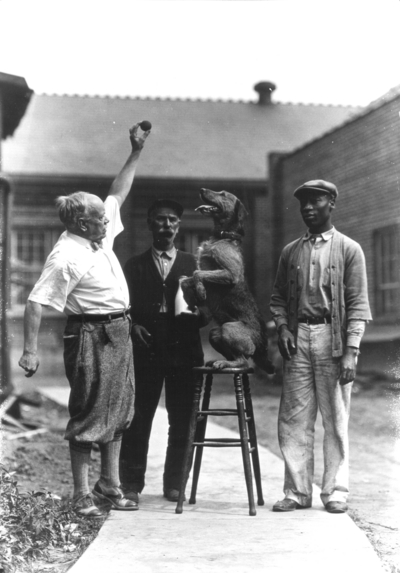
x=146, y=289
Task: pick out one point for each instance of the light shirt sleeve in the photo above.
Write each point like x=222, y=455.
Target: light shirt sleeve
x=355, y=332
x=115, y=226
x=55, y=284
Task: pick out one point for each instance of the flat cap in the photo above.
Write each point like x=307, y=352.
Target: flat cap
x=317, y=185
x=171, y=203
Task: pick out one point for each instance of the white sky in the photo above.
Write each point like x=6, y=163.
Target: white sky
x=323, y=52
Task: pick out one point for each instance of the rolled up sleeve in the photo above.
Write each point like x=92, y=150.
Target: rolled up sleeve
x=54, y=285
x=355, y=332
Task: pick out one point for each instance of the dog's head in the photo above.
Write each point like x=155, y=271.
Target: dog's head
x=227, y=211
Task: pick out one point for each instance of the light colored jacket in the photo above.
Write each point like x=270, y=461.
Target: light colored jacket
x=348, y=288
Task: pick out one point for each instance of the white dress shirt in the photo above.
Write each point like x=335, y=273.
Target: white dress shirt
x=76, y=279
x=164, y=261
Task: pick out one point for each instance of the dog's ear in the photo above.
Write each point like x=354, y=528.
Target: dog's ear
x=240, y=211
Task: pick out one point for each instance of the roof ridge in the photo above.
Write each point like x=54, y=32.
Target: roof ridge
x=384, y=99
x=195, y=100
x=388, y=96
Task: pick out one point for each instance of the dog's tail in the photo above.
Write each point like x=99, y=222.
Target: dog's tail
x=261, y=359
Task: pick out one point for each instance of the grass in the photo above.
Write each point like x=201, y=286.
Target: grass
x=38, y=530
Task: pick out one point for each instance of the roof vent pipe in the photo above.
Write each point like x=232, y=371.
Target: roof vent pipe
x=264, y=90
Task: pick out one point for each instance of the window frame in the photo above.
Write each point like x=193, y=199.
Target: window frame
x=20, y=267
x=386, y=249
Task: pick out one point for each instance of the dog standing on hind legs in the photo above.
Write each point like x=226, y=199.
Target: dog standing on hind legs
x=219, y=283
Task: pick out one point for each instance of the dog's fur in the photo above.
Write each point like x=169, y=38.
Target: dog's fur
x=219, y=284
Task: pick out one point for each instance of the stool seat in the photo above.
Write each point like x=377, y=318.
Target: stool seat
x=247, y=439
x=210, y=370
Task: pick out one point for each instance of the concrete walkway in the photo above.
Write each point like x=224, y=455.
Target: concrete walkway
x=217, y=534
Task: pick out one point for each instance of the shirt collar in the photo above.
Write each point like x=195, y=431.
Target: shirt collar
x=171, y=253
x=325, y=236
x=80, y=240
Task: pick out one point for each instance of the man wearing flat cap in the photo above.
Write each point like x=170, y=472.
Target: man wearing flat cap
x=166, y=347
x=320, y=306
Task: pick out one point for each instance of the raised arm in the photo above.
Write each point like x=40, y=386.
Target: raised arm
x=123, y=182
x=29, y=360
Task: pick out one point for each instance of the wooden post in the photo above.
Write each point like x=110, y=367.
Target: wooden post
x=5, y=377
x=14, y=98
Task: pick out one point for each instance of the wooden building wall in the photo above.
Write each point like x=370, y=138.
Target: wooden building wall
x=34, y=210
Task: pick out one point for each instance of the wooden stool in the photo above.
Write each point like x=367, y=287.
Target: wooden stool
x=197, y=431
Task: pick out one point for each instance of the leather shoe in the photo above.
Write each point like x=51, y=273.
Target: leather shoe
x=288, y=505
x=116, y=497
x=336, y=507
x=132, y=495
x=172, y=494
x=85, y=507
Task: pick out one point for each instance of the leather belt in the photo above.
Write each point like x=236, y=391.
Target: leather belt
x=97, y=317
x=314, y=320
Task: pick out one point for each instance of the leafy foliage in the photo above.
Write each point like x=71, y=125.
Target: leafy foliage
x=38, y=527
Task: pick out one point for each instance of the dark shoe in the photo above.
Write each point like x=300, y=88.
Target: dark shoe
x=336, y=507
x=115, y=497
x=288, y=505
x=132, y=495
x=85, y=507
x=172, y=494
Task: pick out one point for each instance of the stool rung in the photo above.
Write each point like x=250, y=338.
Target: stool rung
x=226, y=440
x=217, y=445
x=225, y=412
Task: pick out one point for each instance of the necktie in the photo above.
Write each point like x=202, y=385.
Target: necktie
x=96, y=246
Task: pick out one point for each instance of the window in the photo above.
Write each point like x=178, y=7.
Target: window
x=29, y=250
x=387, y=271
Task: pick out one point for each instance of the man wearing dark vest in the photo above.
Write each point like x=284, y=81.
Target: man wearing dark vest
x=166, y=348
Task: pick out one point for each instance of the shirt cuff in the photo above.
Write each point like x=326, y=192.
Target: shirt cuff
x=280, y=321
x=45, y=302
x=355, y=332
x=353, y=341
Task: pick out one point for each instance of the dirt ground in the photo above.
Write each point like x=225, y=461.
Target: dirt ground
x=41, y=464
x=43, y=461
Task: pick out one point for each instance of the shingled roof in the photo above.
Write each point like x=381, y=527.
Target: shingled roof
x=82, y=135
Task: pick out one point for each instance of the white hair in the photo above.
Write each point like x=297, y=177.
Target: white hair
x=72, y=207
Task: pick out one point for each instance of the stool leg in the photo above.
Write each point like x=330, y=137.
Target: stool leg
x=198, y=384
x=253, y=438
x=244, y=441
x=199, y=437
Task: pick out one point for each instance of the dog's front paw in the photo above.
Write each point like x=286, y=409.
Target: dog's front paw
x=220, y=364
x=201, y=291
x=186, y=283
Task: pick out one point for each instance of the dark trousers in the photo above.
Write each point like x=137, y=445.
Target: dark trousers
x=150, y=375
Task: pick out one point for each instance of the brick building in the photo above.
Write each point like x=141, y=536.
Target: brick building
x=362, y=157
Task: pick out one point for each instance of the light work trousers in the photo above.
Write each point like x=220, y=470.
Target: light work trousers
x=311, y=381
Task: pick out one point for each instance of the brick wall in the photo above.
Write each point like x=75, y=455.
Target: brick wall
x=363, y=159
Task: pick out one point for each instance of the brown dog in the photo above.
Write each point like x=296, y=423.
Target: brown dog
x=219, y=284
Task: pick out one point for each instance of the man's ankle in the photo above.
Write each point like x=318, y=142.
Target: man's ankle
x=80, y=493
x=107, y=485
